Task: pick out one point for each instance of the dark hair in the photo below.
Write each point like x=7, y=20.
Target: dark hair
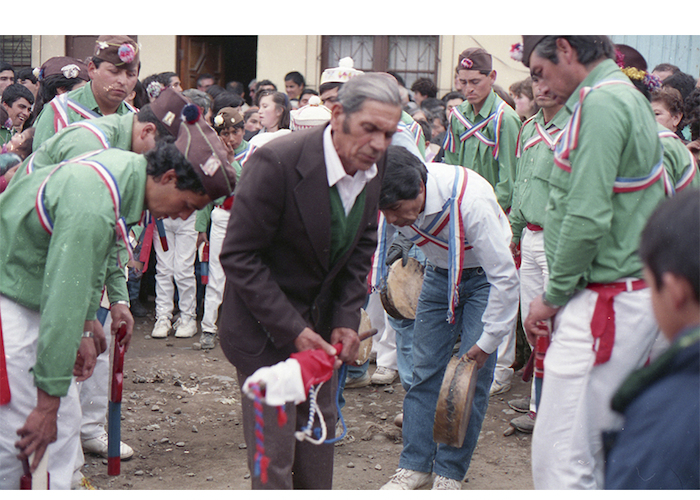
x=296, y=77
x=399, y=78
x=146, y=115
x=452, y=95
x=141, y=98
x=166, y=156
x=204, y=76
x=308, y=90
x=165, y=77
x=26, y=74
x=671, y=239
x=226, y=100
x=683, y=82
x=249, y=112
x=504, y=95
x=403, y=177
x=523, y=87
x=25, y=148
x=5, y=66
x=215, y=90
x=425, y=86
x=16, y=91
x=259, y=89
x=236, y=87
x=325, y=87
x=433, y=105
x=691, y=114
x=666, y=67
x=427, y=128
x=281, y=101
x=589, y=48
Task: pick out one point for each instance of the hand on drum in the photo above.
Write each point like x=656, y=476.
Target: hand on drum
x=477, y=355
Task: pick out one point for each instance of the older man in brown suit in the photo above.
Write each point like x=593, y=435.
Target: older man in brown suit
x=297, y=252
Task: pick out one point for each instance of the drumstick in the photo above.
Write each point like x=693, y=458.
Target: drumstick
x=115, y=404
x=369, y=333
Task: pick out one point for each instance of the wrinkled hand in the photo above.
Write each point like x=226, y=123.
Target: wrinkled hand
x=478, y=355
x=122, y=314
x=351, y=344
x=537, y=322
x=85, y=360
x=202, y=238
x=308, y=339
x=39, y=430
x=515, y=249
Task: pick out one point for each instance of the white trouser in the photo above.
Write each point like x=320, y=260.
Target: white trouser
x=176, y=267
x=534, y=275
x=20, y=327
x=567, y=445
x=503, y=373
x=214, y=291
x=384, y=342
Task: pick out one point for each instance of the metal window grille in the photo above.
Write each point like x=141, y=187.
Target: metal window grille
x=16, y=50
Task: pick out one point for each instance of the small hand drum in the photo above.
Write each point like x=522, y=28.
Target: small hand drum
x=455, y=401
x=403, y=284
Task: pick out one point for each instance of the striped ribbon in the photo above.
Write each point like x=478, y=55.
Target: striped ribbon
x=61, y=104
x=378, y=269
x=688, y=174
x=242, y=157
x=474, y=130
x=106, y=177
x=413, y=128
x=549, y=135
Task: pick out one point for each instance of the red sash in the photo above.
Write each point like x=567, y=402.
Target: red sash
x=4, y=380
x=603, y=321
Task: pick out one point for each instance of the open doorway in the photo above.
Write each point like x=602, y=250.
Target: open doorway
x=228, y=58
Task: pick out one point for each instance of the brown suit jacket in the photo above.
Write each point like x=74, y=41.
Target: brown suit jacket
x=277, y=250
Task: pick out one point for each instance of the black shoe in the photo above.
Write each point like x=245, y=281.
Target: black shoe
x=137, y=309
x=207, y=341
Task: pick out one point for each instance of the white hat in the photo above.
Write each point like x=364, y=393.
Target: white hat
x=311, y=115
x=342, y=73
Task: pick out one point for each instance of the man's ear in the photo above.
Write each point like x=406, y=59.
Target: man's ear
x=565, y=50
x=148, y=128
x=166, y=177
x=678, y=289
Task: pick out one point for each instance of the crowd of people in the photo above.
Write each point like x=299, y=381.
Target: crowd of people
x=557, y=218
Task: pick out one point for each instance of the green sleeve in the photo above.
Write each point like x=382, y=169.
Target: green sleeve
x=43, y=126
x=507, y=141
x=83, y=233
x=201, y=224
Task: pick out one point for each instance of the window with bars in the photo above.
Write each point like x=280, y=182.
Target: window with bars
x=16, y=50
x=412, y=57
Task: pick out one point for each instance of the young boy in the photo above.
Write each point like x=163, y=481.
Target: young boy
x=659, y=446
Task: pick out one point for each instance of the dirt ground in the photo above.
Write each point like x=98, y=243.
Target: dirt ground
x=181, y=414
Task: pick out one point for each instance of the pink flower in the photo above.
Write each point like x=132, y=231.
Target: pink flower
x=467, y=63
x=126, y=53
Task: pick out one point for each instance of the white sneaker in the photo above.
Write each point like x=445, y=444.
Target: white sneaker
x=498, y=388
x=98, y=446
x=185, y=328
x=384, y=376
x=406, y=479
x=161, y=328
x=445, y=483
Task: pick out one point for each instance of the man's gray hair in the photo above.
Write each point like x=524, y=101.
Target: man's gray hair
x=201, y=99
x=380, y=87
x=589, y=48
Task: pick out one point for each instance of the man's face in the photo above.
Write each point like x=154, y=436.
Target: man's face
x=175, y=83
x=362, y=137
x=204, y=84
x=19, y=111
x=304, y=100
x=544, y=97
x=111, y=84
x=7, y=78
x=164, y=199
x=559, y=78
x=329, y=97
x=253, y=124
x=662, y=74
x=476, y=87
x=232, y=137
x=405, y=212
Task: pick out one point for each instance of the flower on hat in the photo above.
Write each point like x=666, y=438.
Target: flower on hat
x=154, y=89
x=126, y=53
x=218, y=120
x=101, y=45
x=466, y=63
x=619, y=58
x=37, y=73
x=516, y=52
x=651, y=82
x=70, y=71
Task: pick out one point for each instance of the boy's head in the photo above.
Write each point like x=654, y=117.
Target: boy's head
x=670, y=251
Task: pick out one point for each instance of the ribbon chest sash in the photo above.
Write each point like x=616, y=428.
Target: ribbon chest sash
x=476, y=129
x=687, y=176
x=568, y=141
x=412, y=128
x=549, y=135
x=106, y=177
x=61, y=104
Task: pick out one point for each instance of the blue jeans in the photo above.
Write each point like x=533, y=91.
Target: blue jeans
x=433, y=341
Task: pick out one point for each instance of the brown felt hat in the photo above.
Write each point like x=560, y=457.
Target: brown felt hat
x=227, y=117
x=120, y=50
x=204, y=150
x=69, y=67
x=168, y=108
x=475, y=58
x=529, y=44
x=629, y=57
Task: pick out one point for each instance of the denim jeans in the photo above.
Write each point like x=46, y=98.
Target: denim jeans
x=433, y=342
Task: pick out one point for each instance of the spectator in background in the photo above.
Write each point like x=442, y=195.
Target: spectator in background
x=522, y=95
x=423, y=88
x=294, y=84
x=227, y=100
x=7, y=75
x=260, y=87
x=664, y=70
x=683, y=82
x=138, y=97
x=252, y=122
x=170, y=79
x=204, y=81
x=59, y=75
x=17, y=101
x=305, y=96
x=26, y=77
x=252, y=87
x=203, y=100
x=239, y=89
x=274, y=117
x=667, y=104
x=451, y=100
